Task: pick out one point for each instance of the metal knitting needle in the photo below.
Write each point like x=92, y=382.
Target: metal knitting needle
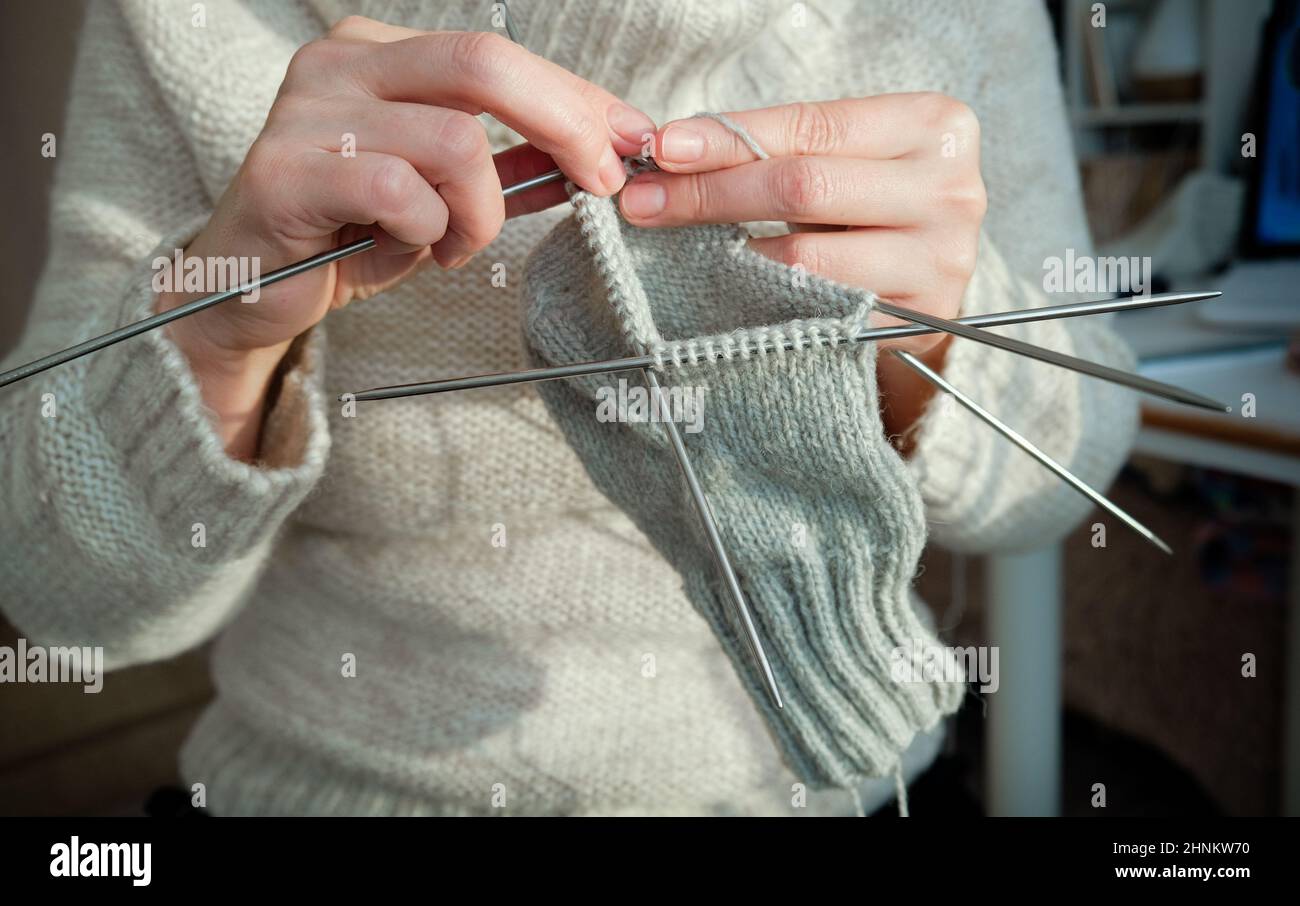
x=740, y=611
x=510, y=24
x=631, y=363
x=194, y=307
x=180, y=311
x=533, y=182
x=1052, y=357
x=1006, y=431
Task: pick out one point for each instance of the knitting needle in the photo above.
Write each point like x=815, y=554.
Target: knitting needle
x=197, y=305
x=510, y=24
x=1106, y=373
x=996, y=319
x=740, y=611
x=1006, y=431
x=533, y=182
x=180, y=311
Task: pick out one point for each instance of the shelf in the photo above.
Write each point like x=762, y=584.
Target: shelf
x=1139, y=114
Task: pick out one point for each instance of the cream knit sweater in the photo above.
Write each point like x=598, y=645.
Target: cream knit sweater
x=563, y=672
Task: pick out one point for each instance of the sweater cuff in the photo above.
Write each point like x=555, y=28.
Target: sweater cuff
x=149, y=405
x=952, y=450
x=981, y=493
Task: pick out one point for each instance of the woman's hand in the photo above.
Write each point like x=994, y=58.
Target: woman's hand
x=422, y=179
x=882, y=193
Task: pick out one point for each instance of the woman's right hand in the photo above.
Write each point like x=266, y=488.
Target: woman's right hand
x=422, y=180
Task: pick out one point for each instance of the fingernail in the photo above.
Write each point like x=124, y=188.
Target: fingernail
x=630, y=123
x=612, y=173
x=680, y=145
x=644, y=198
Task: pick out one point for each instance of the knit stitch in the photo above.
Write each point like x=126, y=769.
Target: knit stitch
x=818, y=512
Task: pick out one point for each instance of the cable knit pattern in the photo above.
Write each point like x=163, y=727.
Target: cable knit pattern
x=520, y=670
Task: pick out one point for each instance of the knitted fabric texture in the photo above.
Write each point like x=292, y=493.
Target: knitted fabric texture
x=820, y=515
x=481, y=665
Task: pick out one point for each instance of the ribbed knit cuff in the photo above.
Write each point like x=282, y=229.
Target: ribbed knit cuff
x=835, y=606
x=860, y=673
x=146, y=400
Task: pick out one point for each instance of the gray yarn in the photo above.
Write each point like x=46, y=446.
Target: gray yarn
x=793, y=449
x=740, y=131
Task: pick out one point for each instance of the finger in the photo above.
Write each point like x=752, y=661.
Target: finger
x=514, y=165
x=825, y=190
x=895, y=266
x=480, y=72
x=370, y=188
x=360, y=28
x=630, y=131
x=449, y=148
x=920, y=125
x=367, y=275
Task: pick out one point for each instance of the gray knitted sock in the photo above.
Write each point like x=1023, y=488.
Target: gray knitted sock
x=820, y=515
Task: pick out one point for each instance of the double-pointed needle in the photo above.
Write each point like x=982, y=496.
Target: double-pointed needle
x=632, y=363
x=1010, y=433
x=197, y=305
x=739, y=610
x=1060, y=359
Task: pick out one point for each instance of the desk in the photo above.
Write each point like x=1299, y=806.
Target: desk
x=1023, y=748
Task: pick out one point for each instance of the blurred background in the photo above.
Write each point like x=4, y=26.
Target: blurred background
x=1121, y=672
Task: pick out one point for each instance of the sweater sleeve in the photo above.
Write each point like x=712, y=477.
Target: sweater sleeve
x=126, y=525
x=982, y=494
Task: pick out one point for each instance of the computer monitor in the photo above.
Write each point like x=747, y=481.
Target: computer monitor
x=1272, y=223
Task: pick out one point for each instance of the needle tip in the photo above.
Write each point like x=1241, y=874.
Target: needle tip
x=1151, y=536
x=1203, y=402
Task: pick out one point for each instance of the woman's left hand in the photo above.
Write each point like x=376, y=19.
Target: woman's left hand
x=881, y=192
